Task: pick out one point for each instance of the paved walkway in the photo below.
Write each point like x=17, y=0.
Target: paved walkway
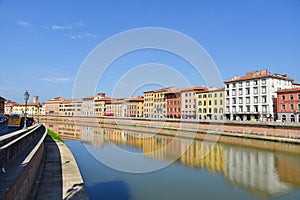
x=59, y=176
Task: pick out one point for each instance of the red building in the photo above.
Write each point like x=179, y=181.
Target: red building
x=173, y=98
x=288, y=104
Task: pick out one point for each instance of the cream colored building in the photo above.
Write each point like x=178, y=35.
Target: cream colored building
x=70, y=107
x=52, y=106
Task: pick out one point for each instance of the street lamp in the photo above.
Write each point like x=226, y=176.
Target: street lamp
x=26, y=97
x=38, y=111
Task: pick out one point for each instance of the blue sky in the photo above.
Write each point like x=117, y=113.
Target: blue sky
x=44, y=43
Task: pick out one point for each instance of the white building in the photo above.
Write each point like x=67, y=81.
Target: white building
x=254, y=96
x=88, y=106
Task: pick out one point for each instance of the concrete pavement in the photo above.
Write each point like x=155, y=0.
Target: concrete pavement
x=58, y=176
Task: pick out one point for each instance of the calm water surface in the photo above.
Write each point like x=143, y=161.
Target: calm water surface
x=234, y=169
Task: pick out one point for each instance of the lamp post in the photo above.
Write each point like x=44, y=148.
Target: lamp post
x=38, y=112
x=26, y=97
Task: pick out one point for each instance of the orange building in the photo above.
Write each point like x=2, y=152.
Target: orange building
x=173, y=98
x=288, y=104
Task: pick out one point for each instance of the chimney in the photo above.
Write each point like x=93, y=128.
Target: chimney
x=35, y=99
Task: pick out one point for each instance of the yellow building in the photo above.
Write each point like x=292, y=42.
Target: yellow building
x=210, y=104
x=100, y=105
x=148, y=104
x=32, y=109
x=155, y=103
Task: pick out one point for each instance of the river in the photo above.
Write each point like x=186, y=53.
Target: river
x=122, y=164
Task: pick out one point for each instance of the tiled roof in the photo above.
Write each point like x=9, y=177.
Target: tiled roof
x=289, y=90
x=258, y=75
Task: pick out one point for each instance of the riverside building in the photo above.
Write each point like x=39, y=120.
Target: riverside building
x=288, y=105
x=253, y=96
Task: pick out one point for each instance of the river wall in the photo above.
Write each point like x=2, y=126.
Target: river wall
x=273, y=131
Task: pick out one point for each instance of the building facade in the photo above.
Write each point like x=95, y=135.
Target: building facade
x=288, y=105
x=188, y=101
x=135, y=107
x=210, y=104
x=148, y=104
x=173, y=98
x=252, y=97
x=160, y=103
x=70, y=107
x=52, y=106
x=88, y=106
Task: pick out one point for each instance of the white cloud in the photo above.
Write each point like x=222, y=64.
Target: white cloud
x=24, y=24
x=67, y=26
x=57, y=27
x=54, y=79
x=81, y=36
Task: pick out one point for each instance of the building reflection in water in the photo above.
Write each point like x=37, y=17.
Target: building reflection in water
x=262, y=172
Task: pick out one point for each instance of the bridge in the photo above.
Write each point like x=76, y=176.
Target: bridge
x=25, y=165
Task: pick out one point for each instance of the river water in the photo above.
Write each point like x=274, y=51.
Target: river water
x=122, y=164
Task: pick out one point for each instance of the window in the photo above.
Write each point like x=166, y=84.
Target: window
x=200, y=103
x=227, y=102
x=240, y=84
x=264, y=99
x=210, y=96
x=263, y=90
x=263, y=81
x=227, y=85
x=199, y=96
x=240, y=100
x=248, y=83
x=291, y=96
x=233, y=109
x=216, y=95
x=283, y=97
x=298, y=96
x=240, y=91
x=283, y=107
x=255, y=108
x=209, y=110
x=247, y=100
x=221, y=95
x=233, y=85
x=255, y=82
x=221, y=110
x=248, y=108
x=216, y=102
x=234, y=100
x=204, y=103
x=215, y=110
x=255, y=99
x=283, y=118
x=233, y=92
x=204, y=96
x=209, y=102
x=292, y=118
x=221, y=102
x=292, y=106
x=247, y=91
x=299, y=107
x=255, y=90
x=240, y=108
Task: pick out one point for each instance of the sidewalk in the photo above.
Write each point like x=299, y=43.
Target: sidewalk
x=58, y=176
